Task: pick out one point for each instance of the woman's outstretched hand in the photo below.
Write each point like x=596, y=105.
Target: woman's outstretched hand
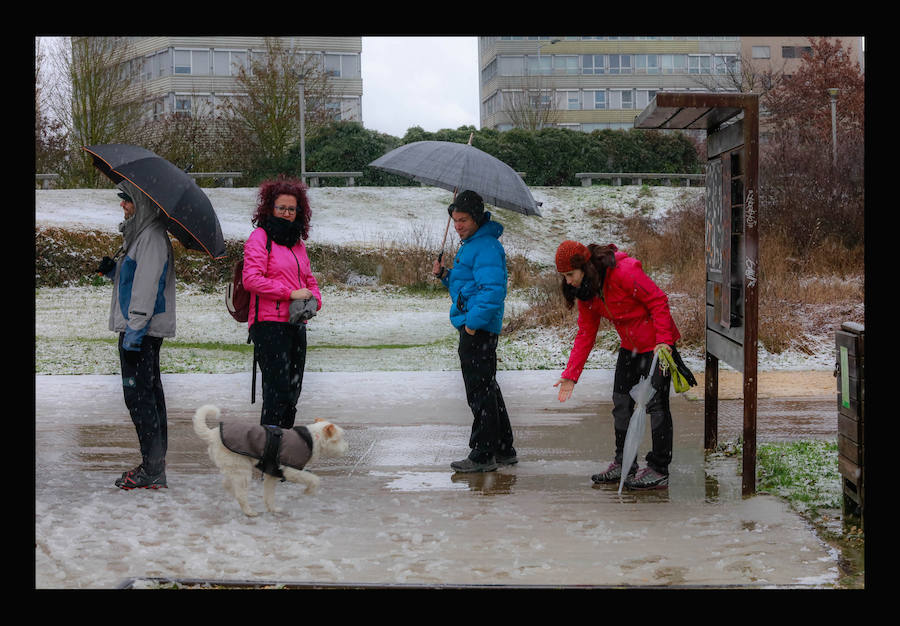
x=566, y=387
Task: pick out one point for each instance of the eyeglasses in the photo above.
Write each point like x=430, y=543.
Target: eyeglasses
x=286, y=209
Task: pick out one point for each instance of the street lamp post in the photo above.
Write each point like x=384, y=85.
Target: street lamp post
x=540, y=70
x=302, y=132
x=833, y=92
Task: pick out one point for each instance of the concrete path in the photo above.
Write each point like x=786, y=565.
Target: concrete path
x=392, y=513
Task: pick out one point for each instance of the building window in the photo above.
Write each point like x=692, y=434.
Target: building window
x=158, y=108
x=182, y=61
x=542, y=64
x=760, y=52
x=511, y=66
x=699, y=64
x=183, y=105
x=228, y=62
x=599, y=99
x=674, y=63
x=333, y=107
x=593, y=64
x=573, y=100
x=794, y=52
x=643, y=98
x=621, y=99
x=194, y=62
x=646, y=63
x=489, y=71
x=565, y=64
x=342, y=65
x=725, y=64
x=620, y=64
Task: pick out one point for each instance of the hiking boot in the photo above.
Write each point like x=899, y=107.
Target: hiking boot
x=613, y=474
x=139, y=479
x=468, y=465
x=647, y=478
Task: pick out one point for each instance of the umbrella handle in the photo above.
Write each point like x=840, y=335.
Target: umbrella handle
x=444, y=242
x=653, y=364
x=449, y=218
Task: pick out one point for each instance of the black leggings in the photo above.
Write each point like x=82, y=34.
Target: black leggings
x=280, y=350
x=629, y=369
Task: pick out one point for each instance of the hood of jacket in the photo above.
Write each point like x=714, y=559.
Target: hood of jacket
x=145, y=213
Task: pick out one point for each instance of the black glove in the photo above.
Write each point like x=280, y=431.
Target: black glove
x=107, y=265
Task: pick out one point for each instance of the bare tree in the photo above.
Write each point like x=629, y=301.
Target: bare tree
x=533, y=106
x=94, y=98
x=49, y=135
x=267, y=114
x=743, y=75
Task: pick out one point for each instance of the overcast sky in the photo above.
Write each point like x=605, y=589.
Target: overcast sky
x=430, y=82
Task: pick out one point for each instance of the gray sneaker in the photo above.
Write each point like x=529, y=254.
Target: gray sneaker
x=139, y=479
x=468, y=465
x=612, y=474
x=647, y=478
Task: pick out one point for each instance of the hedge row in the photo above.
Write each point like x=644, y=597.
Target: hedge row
x=548, y=157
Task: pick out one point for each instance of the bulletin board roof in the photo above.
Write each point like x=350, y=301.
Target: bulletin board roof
x=692, y=110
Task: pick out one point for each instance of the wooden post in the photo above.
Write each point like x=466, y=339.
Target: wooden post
x=711, y=403
x=751, y=296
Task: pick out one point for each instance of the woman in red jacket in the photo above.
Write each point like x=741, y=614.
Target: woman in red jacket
x=276, y=272
x=609, y=284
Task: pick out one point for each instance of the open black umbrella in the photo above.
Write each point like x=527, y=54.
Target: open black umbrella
x=190, y=214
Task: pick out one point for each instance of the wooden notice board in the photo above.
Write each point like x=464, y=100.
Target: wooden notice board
x=731, y=122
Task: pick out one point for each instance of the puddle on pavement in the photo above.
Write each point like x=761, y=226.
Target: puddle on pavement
x=781, y=419
x=487, y=483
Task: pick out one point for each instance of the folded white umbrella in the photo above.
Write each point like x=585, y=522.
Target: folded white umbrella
x=641, y=392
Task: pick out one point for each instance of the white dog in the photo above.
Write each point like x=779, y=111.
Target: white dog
x=300, y=446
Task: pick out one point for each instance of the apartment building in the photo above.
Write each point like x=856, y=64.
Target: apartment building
x=596, y=82
x=603, y=82
x=782, y=55
x=193, y=74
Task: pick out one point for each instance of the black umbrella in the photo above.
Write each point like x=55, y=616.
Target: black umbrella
x=190, y=214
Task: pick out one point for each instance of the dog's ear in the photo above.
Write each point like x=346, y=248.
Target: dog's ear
x=318, y=419
x=329, y=431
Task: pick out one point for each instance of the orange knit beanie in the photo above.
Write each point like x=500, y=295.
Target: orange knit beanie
x=571, y=255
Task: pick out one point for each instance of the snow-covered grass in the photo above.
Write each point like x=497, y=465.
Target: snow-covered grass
x=360, y=327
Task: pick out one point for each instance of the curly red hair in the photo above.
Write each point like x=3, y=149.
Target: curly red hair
x=282, y=185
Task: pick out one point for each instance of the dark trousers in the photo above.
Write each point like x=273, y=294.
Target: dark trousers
x=491, y=431
x=145, y=400
x=281, y=353
x=629, y=369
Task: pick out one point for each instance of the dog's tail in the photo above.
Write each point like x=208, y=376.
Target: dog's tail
x=200, y=426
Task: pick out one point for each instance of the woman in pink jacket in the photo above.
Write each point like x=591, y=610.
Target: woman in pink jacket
x=609, y=284
x=276, y=272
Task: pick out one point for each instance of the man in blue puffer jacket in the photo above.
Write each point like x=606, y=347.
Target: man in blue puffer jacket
x=477, y=285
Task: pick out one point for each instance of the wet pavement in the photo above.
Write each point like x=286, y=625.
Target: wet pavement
x=392, y=513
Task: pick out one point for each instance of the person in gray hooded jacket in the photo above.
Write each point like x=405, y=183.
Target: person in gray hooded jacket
x=142, y=312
